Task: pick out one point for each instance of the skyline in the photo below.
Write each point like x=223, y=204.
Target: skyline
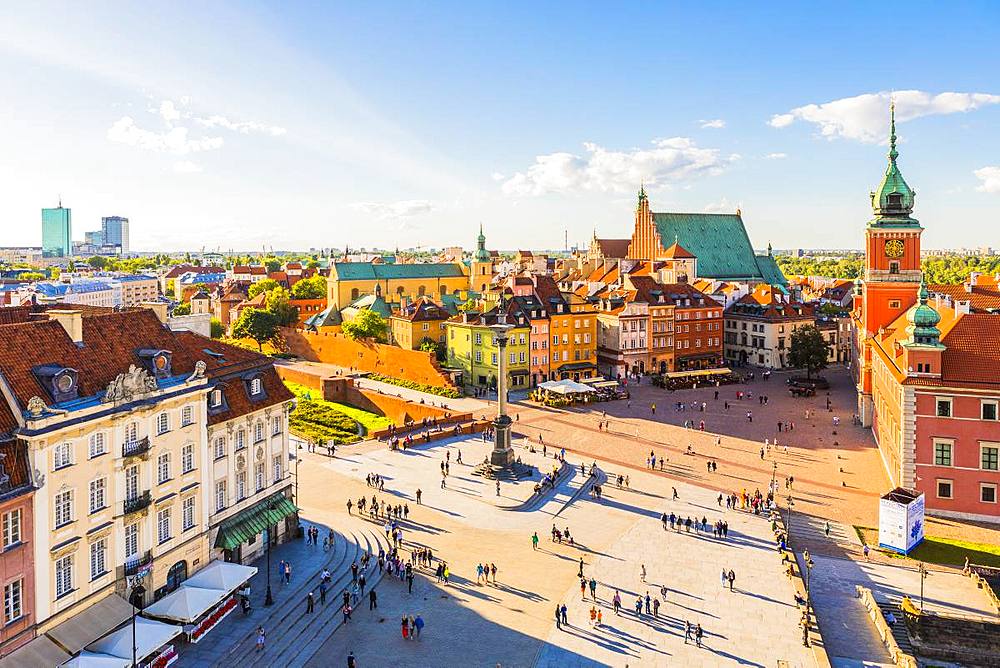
x=302, y=128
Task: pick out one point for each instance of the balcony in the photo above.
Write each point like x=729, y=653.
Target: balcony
x=135, y=448
x=137, y=503
x=133, y=566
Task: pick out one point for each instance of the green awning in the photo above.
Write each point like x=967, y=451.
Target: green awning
x=253, y=521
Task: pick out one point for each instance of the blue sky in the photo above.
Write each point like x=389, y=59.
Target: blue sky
x=302, y=125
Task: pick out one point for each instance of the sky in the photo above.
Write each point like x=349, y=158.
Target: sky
x=312, y=125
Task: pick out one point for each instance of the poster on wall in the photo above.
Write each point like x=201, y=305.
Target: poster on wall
x=901, y=520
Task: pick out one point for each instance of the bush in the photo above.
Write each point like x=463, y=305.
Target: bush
x=448, y=392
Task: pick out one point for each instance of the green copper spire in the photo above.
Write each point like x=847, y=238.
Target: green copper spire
x=922, y=319
x=642, y=193
x=482, y=255
x=892, y=201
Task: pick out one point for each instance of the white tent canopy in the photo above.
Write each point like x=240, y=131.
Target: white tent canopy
x=221, y=575
x=201, y=592
x=566, y=387
x=115, y=649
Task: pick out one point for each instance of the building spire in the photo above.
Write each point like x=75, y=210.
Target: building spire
x=893, y=153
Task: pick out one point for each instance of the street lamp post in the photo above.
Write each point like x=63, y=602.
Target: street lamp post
x=774, y=472
x=923, y=576
x=788, y=520
x=805, y=626
x=135, y=598
x=268, y=599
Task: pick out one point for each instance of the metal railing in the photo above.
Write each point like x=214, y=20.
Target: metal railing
x=135, y=448
x=137, y=503
x=136, y=564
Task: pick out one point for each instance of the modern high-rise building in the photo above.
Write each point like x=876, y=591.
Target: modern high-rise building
x=95, y=238
x=115, y=229
x=57, y=238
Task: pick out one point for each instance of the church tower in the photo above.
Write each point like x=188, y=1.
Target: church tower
x=481, y=269
x=892, y=273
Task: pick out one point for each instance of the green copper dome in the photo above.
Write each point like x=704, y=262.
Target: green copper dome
x=482, y=255
x=923, y=320
x=892, y=201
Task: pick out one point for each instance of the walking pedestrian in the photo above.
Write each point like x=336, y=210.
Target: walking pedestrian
x=310, y=602
x=558, y=617
x=731, y=578
x=351, y=661
x=260, y=638
x=687, y=631
x=698, y=633
x=372, y=600
x=563, y=611
x=534, y=541
x=418, y=625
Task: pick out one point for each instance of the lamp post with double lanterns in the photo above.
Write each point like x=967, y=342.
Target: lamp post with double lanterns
x=805, y=625
x=135, y=598
x=923, y=576
x=268, y=599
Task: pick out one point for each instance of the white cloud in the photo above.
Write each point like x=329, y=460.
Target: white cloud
x=174, y=140
x=714, y=124
x=394, y=210
x=865, y=117
x=669, y=161
x=169, y=111
x=990, y=177
x=187, y=167
x=775, y=156
x=242, y=127
x=497, y=176
x=722, y=206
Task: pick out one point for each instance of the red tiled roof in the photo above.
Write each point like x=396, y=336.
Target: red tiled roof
x=423, y=310
x=677, y=252
x=110, y=345
x=980, y=297
x=614, y=248
x=179, y=269
x=972, y=353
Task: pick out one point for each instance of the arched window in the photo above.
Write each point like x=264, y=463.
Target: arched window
x=421, y=291
x=354, y=294
x=176, y=575
x=400, y=290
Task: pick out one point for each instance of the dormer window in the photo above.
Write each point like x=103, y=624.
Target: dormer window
x=215, y=398
x=59, y=381
x=157, y=362
x=256, y=387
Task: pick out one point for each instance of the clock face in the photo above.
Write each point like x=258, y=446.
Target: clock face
x=894, y=248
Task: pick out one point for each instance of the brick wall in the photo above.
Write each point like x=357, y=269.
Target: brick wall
x=330, y=348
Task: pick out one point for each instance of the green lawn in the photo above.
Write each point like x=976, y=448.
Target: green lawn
x=371, y=421
x=945, y=551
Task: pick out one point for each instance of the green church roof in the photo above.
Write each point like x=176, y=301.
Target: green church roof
x=721, y=244
x=892, y=201
x=366, y=271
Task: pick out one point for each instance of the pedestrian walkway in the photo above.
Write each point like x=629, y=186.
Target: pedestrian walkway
x=232, y=640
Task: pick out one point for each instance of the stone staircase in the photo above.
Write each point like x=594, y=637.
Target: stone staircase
x=293, y=634
x=899, y=632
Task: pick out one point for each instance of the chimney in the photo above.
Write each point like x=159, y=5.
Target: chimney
x=403, y=303
x=961, y=308
x=159, y=308
x=72, y=322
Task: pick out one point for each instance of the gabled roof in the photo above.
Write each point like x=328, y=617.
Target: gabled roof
x=328, y=317
x=179, y=269
x=366, y=303
x=423, y=310
x=613, y=248
x=678, y=252
x=980, y=297
x=720, y=242
x=366, y=271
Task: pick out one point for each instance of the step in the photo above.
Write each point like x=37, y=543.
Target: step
x=591, y=480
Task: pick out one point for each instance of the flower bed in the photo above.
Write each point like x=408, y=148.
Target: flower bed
x=210, y=622
x=449, y=392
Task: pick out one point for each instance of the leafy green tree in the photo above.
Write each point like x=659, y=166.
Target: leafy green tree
x=367, y=325
x=272, y=264
x=469, y=305
x=71, y=267
x=279, y=306
x=310, y=288
x=183, y=308
x=809, y=350
x=312, y=264
x=32, y=276
x=262, y=286
x=429, y=345
x=98, y=262
x=256, y=324
x=216, y=328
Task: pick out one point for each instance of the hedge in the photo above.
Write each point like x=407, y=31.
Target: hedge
x=449, y=392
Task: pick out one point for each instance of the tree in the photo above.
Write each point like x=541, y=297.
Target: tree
x=266, y=285
x=279, y=306
x=272, y=264
x=310, y=288
x=256, y=324
x=31, y=276
x=184, y=308
x=809, y=350
x=71, y=267
x=313, y=264
x=367, y=325
x=216, y=328
x=429, y=345
x=98, y=262
x=469, y=305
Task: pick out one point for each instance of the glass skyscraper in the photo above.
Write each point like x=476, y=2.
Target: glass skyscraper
x=57, y=238
x=115, y=230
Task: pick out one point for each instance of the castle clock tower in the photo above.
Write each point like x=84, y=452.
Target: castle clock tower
x=892, y=267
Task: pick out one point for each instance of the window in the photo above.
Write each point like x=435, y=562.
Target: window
x=187, y=458
x=132, y=540
x=258, y=475
x=132, y=432
x=187, y=416
x=163, y=525
x=215, y=398
x=943, y=453
x=98, y=552
x=988, y=492
x=220, y=495
x=258, y=431
x=64, y=508
x=944, y=407
x=97, y=444
x=479, y=356
x=893, y=267
x=64, y=576
x=478, y=338
x=162, y=423
x=98, y=495
x=276, y=465
x=241, y=485
x=163, y=468
x=256, y=387
x=12, y=597
x=241, y=439
x=62, y=456
x=989, y=410
x=944, y=489
x=132, y=482
x=988, y=457
x=220, y=447
x=187, y=513
x=11, y=528
x=894, y=304
x=275, y=425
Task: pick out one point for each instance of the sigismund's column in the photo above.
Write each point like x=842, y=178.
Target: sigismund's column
x=503, y=454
